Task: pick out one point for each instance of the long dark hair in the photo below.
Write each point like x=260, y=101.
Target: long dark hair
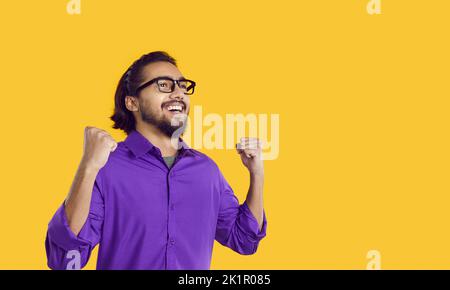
x=123, y=118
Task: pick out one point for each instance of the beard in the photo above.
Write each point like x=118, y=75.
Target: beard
x=172, y=129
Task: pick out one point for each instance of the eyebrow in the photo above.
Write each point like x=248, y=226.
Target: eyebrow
x=180, y=79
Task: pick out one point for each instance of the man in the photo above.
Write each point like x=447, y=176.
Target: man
x=151, y=202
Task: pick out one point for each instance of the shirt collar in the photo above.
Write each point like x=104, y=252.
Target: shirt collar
x=140, y=145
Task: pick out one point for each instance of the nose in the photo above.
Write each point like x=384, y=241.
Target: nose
x=177, y=93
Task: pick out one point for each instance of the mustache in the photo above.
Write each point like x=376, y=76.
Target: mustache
x=169, y=103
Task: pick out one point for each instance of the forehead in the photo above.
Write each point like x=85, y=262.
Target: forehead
x=161, y=68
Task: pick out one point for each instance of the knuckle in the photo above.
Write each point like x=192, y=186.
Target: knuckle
x=103, y=137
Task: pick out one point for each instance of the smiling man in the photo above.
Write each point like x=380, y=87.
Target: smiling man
x=151, y=202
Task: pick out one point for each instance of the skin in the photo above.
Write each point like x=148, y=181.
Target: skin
x=98, y=144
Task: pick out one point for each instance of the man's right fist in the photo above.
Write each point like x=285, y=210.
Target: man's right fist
x=98, y=144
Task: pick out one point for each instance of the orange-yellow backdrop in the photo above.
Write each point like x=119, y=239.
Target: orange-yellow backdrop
x=363, y=103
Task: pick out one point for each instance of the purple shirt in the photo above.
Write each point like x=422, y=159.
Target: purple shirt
x=144, y=215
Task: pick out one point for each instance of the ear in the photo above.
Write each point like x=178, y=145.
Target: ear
x=131, y=103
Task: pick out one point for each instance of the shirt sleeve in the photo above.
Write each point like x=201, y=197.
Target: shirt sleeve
x=64, y=249
x=237, y=228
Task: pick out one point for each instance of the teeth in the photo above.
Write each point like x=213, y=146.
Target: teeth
x=175, y=108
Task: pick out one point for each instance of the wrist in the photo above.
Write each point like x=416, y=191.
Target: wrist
x=257, y=174
x=88, y=168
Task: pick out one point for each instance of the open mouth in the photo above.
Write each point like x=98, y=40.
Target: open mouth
x=175, y=107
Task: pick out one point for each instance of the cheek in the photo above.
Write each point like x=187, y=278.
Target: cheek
x=157, y=101
x=152, y=103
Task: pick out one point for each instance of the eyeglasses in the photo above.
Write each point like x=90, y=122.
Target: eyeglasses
x=167, y=85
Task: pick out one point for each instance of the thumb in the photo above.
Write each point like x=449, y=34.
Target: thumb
x=114, y=147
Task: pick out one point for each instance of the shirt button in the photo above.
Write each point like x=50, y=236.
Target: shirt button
x=172, y=207
x=172, y=242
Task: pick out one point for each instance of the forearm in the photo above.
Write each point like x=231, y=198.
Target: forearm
x=255, y=197
x=77, y=203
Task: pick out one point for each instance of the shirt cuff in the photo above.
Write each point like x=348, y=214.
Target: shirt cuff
x=60, y=233
x=250, y=224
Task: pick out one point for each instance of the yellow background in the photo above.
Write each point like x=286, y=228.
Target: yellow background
x=363, y=103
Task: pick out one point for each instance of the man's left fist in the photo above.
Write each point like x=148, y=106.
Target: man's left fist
x=250, y=150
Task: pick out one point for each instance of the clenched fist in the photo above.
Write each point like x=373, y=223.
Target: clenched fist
x=98, y=144
x=250, y=151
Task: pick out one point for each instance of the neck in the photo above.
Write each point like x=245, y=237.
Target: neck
x=158, y=139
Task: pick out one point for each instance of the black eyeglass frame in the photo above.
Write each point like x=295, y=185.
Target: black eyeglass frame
x=174, y=82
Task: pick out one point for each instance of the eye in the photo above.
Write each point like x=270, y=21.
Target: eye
x=164, y=84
